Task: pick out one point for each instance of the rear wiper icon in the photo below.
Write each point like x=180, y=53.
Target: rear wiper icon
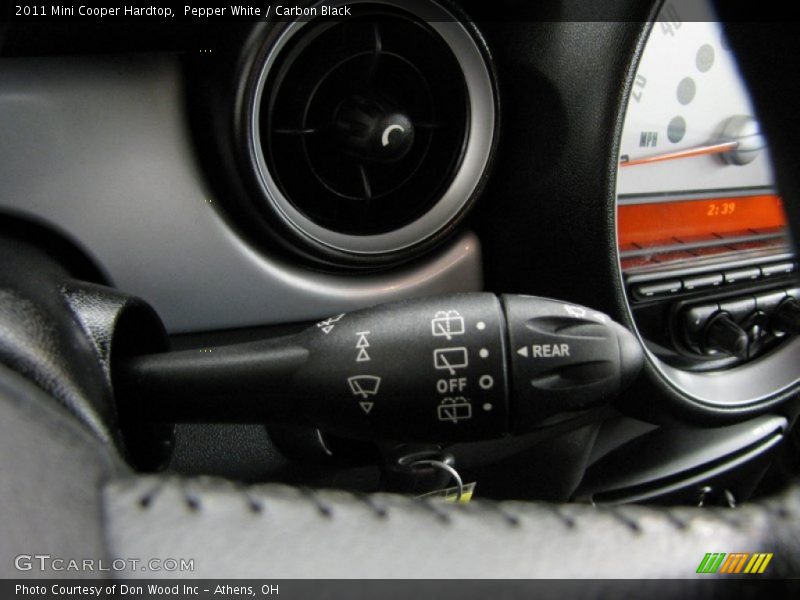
x=364, y=385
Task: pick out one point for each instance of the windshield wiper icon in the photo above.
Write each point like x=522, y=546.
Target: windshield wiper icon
x=364, y=385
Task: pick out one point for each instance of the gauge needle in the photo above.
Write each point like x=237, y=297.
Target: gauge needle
x=717, y=148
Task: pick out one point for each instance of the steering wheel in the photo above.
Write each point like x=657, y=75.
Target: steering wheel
x=65, y=490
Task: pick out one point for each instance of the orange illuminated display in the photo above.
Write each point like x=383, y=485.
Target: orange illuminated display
x=644, y=224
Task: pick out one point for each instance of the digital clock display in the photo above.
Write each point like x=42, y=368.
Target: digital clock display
x=684, y=221
x=721, y=209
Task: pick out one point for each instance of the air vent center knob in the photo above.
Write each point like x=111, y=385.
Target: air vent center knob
x=373, y=130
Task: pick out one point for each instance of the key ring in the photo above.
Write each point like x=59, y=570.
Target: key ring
x=437, y=464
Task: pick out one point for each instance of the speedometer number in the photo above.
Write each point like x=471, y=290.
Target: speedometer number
x=638, y=87
x=670, y=20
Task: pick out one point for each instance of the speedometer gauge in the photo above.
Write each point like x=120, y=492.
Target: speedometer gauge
x=701, y=230
x=691, y=138
x=690, y=118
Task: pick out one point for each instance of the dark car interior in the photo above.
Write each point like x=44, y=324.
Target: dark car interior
x=416, y=289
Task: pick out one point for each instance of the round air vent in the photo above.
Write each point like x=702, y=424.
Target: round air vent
x=371, y=134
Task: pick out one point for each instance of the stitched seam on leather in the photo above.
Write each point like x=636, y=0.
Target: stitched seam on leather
x=253, y=504
x=432, y=506
x=674, y=520
x=566, y=520
x=323, y=508
x=378, y=510
x=629, y=522
x=192, y=501
x=480, y=508
x=442, y=512
x=147, y=499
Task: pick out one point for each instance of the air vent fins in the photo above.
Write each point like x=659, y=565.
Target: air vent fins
x=366, y=123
